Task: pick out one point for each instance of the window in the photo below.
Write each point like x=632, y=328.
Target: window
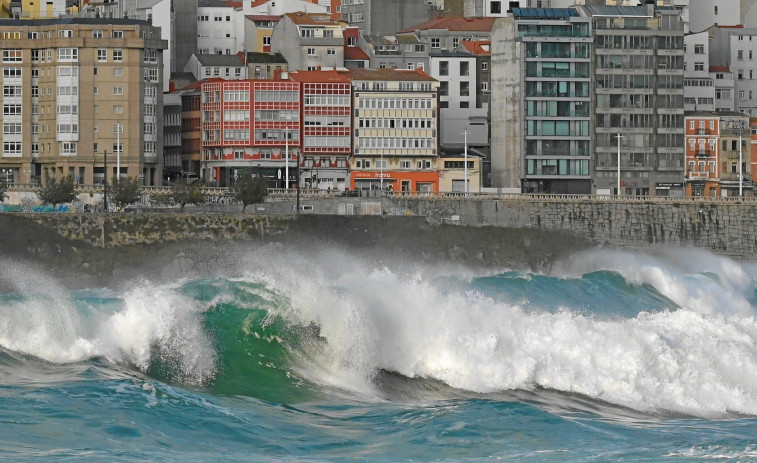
x=464, y=68
x=118, y=72
x=351, y=41
x=12, y=55
x=68, y=54
x=484, y=65
x=465, y=104
x=495, y=7
x=267, y=40
x=484, y=86
x=740, y=55
x=118, y=55
x=118, y=109
x=97, y=34
x=68, y=148
x=443, y=68
x=435, y=43
x=118, y=90
x=464, y=89
x=699, y=66
x=307, y=33
x=331, y=51
x=117, y=34
x=102, y=54
x=311, y=51
x=65, y=33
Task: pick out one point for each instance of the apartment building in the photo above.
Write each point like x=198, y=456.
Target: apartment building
x=309, y=41
x=258, y=30
x=250, y=127
x=717, y=143
x=191, y=128
x=383, y=17
x=395, y=144
x=638, y=73
x=735, y=48
x=541, y=102
x=457, y=74
x=178, y=22
x=326, y=129
x=216, y=65
x=220, y=28
x=76, y=90
x=172, y=134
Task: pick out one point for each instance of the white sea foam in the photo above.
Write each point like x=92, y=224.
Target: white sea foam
x=135, y=327
x=700, y=359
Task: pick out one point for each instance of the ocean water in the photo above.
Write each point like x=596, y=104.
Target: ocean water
x=607, y=356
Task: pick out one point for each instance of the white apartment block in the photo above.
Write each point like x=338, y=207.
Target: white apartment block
x=220, y=29
x=280, y=7
x=457, y=76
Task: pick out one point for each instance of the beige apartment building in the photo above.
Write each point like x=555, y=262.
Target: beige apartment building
x=76, y=90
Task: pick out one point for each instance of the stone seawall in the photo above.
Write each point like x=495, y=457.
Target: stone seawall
x=726, y=228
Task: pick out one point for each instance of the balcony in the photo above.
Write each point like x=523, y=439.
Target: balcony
x=698, y=175
x=704, y=153
x=705, y=132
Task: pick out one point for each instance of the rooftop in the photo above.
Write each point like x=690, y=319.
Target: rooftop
x=390, y=75
x=477, y=47
x=330, y=76
x=455, y=23
x=219, y=60
x=544, y=13
x=355, y=53
x=259, y=57
x=311, y=19
x=614, y=11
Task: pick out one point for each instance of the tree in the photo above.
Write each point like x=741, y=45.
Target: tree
x=58, y=191
x=3, y=190
x=185, y=193
x=124, y=191
x=250, y=190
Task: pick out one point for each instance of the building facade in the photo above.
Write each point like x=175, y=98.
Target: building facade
x=326, y=129
x=309, y=41
x=250, y=127
x=549, y=60
x=638, y=71
x=396, y=143
x=76, y=89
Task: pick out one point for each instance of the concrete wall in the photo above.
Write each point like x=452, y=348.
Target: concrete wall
x=726, y=228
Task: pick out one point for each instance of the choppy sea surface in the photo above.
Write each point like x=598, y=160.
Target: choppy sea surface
x=608, y=356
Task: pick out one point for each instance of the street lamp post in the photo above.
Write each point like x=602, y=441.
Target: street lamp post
x=7, y=173
x=286, y=155
x=105, y=181
x=619, y=137
x=465, y=156
x=741, y=171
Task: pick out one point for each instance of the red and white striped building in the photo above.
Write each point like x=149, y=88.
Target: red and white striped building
x=248, y=126
x=326, y=128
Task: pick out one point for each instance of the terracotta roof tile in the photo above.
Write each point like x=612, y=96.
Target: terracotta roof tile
x=455, y=23
x=477, y=47
x=355, y=53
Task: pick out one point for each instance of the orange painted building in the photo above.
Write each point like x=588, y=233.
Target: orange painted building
x=713, y=153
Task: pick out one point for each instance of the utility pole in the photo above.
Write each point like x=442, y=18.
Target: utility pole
x=105, y=184
x=465, y=155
